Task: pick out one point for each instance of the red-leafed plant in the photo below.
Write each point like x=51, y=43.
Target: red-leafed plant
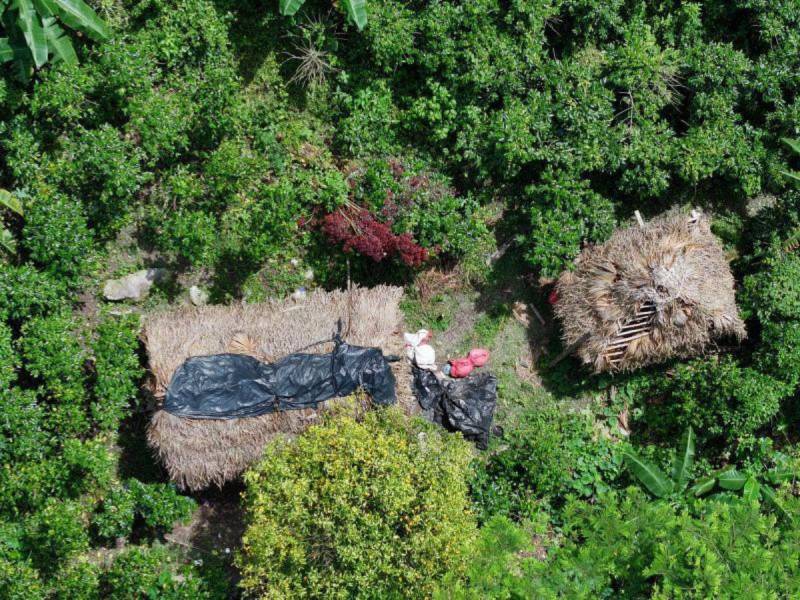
x=358, y=230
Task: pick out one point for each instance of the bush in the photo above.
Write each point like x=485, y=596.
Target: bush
x=53, y=354
x=117, y=370
x=56, y=237
x=628, y=545
x=77, y=580
x=152, y=572
x=57, y=532
x=9, y=361
x=357, y=509
x=26, y=292
x=547, y=455
x=158, y=505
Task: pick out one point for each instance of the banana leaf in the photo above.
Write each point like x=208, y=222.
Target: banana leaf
x=357, y=11
x=31, y=26
x=7, y=241
x=289, y=7
x=772, y=499
x=60, y=45
x=6, y=51
x=10, y=201
x=684, y=459
x=76, y=14
x=751, y=489
x=653, y=478
x=703, y=486
x=732, y=480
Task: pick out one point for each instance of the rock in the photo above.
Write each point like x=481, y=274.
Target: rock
x=198, y=296
x=135, y=286
x=308, y=275
x=299, y=294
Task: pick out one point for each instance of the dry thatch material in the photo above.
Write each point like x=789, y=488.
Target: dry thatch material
x=201, y=452
x=654, y=291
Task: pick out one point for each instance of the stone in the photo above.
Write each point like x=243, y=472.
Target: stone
x=135, y=286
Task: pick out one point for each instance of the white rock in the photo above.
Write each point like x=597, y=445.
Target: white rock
x=198, y=296
x=309, y=274
x=299, y=294
x=135, y=286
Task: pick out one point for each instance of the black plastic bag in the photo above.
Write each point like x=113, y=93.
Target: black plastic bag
x=231, y=386
x=466, y=405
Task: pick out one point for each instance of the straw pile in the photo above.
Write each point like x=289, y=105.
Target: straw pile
x=654, y=291
x=201, y=452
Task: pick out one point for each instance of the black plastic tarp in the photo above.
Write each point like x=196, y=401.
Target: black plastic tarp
x=466, y=405
x=231, y=386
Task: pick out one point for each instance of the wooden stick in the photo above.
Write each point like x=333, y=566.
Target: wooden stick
x=570, y=349
x=639, y=218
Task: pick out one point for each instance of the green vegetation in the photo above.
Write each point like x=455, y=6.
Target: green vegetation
x=466, y=151
x=357, y=510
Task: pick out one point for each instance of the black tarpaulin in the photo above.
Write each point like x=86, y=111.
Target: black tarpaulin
x=231, y=386
x=466, y=405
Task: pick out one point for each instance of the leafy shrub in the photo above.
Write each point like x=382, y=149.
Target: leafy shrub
x=77, y=580
x=26, y=292
x=727, y=549
x=151, y=572
x=500, y=566
x=53, y=354
x=564, y=213
x=103, y=169
x=9, y=361
x=117, y=514
x=55, y=533
x=159, y=506
x=547, y=455
x=721, y=399
x=117, y=370
x=357, y=509
x=56, y=237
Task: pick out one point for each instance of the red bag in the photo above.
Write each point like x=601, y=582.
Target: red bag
x=478, y=356
x=460, y=367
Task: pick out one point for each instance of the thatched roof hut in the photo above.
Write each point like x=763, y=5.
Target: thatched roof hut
x=201, y=452
x=653, y=291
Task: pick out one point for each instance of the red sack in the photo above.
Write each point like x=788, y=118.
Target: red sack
x=460, y=367
x=478, y=356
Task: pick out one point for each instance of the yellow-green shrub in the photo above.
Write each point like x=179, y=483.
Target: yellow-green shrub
x=370, y=509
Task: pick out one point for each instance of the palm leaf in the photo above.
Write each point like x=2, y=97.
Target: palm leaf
x=77, y=15
x=653, y=478
x=60, y=45
x=684, y=459
x=289, y=7
x=31, y=27
x=357, y=11
x=10, y=201
x=731, y=480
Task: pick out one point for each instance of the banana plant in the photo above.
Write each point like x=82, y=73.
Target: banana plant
x=654, y=479
x=35, y=34
x=356, y=10
x=728, y=478
x=11, y=203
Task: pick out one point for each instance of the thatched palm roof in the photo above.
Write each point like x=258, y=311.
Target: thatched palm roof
x=653, y=291
x=197, y=453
